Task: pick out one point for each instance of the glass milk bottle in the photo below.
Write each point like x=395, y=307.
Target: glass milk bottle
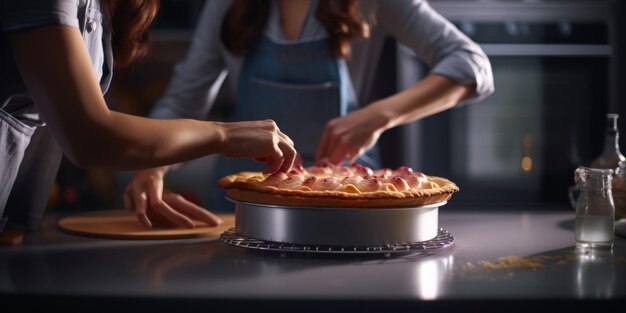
x=594, y=208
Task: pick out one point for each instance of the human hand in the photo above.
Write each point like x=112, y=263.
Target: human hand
x=349, y=136
x=144, y=195
x=261, y=140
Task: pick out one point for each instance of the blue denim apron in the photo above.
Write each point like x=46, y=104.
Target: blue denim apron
x=301, y=87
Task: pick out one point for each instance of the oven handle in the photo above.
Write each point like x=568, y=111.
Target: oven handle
x=546, y=50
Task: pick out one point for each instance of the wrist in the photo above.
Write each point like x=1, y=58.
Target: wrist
x=221, y=135
x=382, y=115
x=155, y=171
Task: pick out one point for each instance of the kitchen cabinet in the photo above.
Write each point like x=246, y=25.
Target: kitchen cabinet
x=54, y=268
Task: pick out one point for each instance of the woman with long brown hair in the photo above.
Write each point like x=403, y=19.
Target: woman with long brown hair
x=305, y=64
x=57, y=62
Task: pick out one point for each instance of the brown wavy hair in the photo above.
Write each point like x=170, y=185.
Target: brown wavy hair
x=130, y=20
x=246, y=19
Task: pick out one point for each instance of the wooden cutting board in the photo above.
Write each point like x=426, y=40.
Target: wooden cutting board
x=123, y=224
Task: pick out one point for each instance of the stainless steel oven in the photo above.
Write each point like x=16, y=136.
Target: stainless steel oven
x=553, y=66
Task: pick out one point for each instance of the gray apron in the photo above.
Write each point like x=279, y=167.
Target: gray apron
x=301, y=87
x=18, y=122
x=29, y=155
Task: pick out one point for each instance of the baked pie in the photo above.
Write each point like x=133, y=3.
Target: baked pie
x=328, y=185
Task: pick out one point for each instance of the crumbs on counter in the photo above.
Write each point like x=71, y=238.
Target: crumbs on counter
x=531, y=263
x=504, y=268
x=507, y=264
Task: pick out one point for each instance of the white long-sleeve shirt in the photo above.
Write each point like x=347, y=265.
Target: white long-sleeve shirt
x=433, y=39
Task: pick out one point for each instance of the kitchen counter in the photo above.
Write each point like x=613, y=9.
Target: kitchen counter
x=52, y=267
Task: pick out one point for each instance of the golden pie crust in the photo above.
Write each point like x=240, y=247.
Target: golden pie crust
x=353, y=186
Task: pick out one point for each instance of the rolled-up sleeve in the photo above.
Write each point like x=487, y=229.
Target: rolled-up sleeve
x=191, y=93
x=20, y=14
x=438, y=43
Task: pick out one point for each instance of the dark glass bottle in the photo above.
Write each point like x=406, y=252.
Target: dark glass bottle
x=611, y=155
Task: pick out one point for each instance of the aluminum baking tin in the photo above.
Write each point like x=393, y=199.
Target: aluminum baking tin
x=320, y=226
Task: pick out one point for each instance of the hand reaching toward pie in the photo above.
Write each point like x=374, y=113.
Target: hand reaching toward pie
x=349, y=136
x=261, y=140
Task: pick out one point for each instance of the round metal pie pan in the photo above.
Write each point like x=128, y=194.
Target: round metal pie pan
x=337, y=226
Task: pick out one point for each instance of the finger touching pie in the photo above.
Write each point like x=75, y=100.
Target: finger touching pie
x=327, y=185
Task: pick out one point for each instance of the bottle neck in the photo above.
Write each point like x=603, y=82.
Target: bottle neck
x=587, y=178
x=611, y=143
x=598, y=183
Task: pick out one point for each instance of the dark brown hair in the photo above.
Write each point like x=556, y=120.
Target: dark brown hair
x=130, y=20
x=246, y=19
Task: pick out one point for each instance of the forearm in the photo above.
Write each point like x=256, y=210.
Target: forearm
x=68, y=96
x=159, y=171
x=431, y=95
x=122, y=141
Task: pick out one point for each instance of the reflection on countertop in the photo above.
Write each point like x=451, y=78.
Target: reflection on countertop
x=497, y=256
